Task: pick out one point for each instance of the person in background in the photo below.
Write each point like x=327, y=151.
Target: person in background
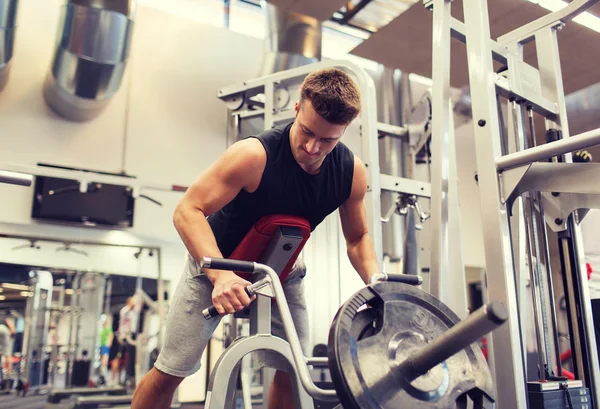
x=126, y=333
x=106, y=336
x=7, y=334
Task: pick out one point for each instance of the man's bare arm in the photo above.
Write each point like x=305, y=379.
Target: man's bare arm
x=240, y=167
x=353, y=215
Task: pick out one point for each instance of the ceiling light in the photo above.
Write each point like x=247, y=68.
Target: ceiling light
x=585, y=19
x=2, y=297
x=14, y=286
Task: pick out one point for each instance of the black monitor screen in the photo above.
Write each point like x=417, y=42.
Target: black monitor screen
x=103, y=204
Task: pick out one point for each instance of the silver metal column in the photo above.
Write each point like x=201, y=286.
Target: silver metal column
x=36, y=327
x=456, y=279
x=516, y=142
x=440, y=144
x=390, y=88
x=92, y=287
x=446, y=269
x=507, y=348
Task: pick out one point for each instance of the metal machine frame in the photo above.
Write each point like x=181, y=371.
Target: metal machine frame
x=36, y=327
x=506, y=169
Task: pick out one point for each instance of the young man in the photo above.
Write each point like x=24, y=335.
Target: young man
x=128, y=327
x=105, y=336
x=301, y=169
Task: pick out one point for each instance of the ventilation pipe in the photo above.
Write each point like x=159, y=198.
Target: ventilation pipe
x=389, y=84
x=293, y=40
x=8, y=16
x=91, y=55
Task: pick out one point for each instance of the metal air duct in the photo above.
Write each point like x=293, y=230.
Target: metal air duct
x=293, y=40
x=8, y=16
x=389, y=85
x=91, y=55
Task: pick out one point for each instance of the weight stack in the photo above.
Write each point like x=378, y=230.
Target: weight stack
x=556, y=398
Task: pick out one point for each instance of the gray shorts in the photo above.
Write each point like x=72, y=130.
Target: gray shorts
x=187, y=332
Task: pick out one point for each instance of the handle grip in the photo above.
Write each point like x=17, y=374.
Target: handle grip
x=212, y=312
x=227, y=264
x=405, y=278
x=399, y=278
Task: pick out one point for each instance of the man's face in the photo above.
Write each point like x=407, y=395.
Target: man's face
x=312, y=137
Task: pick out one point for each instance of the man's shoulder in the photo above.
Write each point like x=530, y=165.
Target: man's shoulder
x=274, y=134
x=343, y=147
x=343, y=153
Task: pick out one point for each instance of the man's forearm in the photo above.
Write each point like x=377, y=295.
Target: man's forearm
x=194, y=230
x=363, y=257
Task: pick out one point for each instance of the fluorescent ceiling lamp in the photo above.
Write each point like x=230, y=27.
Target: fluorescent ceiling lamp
x=26, y=294
x=585, y=19
x=2, y=297
x=14, y=286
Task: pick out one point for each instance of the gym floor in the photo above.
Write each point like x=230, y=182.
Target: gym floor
x=39, y=402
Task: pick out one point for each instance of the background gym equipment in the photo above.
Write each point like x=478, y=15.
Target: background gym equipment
x=526, y=190
x=406, y=350
x=61, y=313
x=36, y=329
x=55, y=396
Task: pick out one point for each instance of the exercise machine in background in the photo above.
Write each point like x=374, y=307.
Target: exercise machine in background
x=528, y=187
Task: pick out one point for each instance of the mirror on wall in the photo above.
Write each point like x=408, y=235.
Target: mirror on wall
x=76, y=314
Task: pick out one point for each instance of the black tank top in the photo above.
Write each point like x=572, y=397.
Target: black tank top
x=285, y=188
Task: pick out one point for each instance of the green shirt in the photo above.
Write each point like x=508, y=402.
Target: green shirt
x=104, y=335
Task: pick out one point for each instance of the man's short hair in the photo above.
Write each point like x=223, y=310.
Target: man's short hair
x=333, y=94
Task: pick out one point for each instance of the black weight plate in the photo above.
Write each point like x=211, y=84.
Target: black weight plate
x=365, y=323
x=366, y=346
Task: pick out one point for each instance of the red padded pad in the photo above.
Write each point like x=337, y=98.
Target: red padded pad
x=256, y=241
